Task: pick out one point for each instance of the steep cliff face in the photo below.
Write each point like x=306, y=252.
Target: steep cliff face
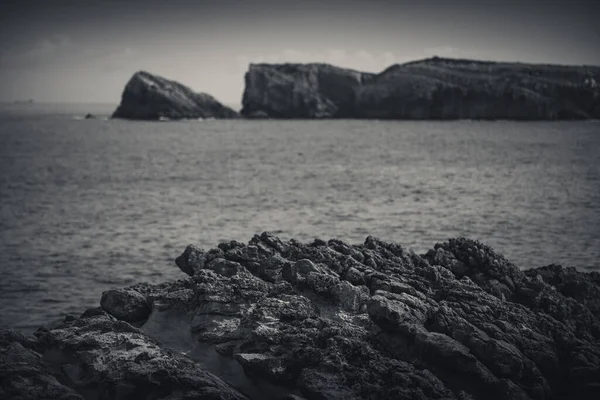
x=434, y=88
x=301, y=91
x=152, y=97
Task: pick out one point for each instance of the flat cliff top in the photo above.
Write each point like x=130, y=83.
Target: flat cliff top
x=291, y=67
x=450, y=64
x=433, y=88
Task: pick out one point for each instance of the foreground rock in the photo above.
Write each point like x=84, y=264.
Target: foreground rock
x=151, y=97
x=434, y=88
x=96, y=356
x=326, y=320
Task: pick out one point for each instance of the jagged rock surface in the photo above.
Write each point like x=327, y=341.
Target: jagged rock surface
x=151, y=97
x=99, y=357
x=328, y=320
x=23, y=374
x=301, y=91
x=434, y=88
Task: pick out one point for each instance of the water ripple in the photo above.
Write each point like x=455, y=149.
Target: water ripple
x=90, y=205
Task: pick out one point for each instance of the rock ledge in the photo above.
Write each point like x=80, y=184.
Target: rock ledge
x=276, y=319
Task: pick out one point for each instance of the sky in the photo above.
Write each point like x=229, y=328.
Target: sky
x=86, y=50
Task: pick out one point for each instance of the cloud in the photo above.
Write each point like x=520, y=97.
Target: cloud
x=362, y=60
x=51, y=45
x=44, y=50
x=115, y=59
x=61, y=51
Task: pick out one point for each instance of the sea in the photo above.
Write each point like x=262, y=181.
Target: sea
x=87, y=205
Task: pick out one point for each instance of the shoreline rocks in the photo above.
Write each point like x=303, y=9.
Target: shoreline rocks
x=276, y=319
x=429, y=89
x=151, y=97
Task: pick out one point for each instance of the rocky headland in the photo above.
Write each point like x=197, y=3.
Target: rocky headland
x=434, y=88
x=151, y=97
x=276, y=319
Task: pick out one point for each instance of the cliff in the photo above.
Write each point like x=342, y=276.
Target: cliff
x=301, y=91
x=280, y=319
x=434, y=88
x=151, y=97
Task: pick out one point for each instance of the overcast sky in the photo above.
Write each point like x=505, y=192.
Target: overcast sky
x=86, y=50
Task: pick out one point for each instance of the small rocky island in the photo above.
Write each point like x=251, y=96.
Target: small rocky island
x=430, y=89
x=276, y=319
x=151, y=97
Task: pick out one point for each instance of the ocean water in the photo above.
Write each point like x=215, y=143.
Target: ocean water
x=88, y=205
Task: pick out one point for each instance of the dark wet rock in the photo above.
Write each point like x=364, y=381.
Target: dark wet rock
x=434, y=88
x=101, y=357
x=584, y=288
x=90, y=116
x=192, y=260
x=500, y=278
x=151, y=97
x=23, y=374
x=328, y=320
x=125, y=304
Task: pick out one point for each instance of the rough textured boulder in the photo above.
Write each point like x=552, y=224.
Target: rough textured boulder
x=276, y=319
x=434, y=88
x=126, y=305
x=99, y=357
x=151, y=97
x=23, y=373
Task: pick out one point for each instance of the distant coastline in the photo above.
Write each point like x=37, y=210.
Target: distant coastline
x=429, y=89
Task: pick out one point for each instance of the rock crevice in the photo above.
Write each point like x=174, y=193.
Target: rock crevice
x=276, y=319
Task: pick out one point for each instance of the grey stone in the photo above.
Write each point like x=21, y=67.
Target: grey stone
x=125, y=304
x=460, y=322
x=151, y=97
x=433, y=88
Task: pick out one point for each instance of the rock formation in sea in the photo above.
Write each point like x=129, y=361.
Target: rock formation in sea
x=151, y=97
x=276, y=319
x=434, y=88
